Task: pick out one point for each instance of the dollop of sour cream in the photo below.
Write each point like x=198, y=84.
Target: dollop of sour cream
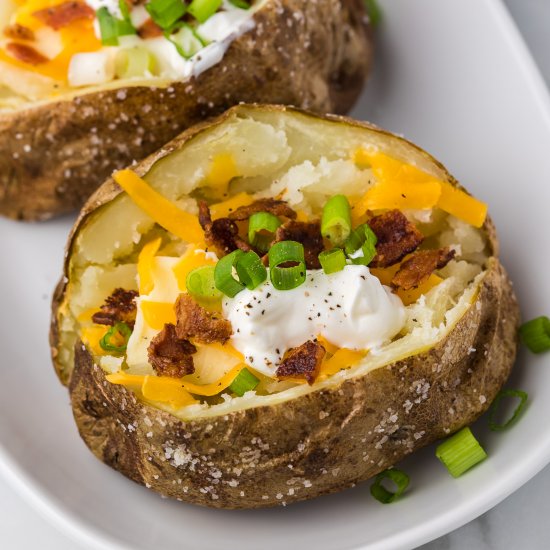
x=351, y=309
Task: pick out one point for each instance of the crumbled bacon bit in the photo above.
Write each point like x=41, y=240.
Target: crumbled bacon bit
x=119, y=307
x=273, y=206
x=397, y=237
x=193, y=321
x=414, y=271
x=149, y=29
x=307, y=233
x=64, y=14
x=18, y=32
x=26, y=54
x=169, y=355
x=221, y=234
x=303, y=362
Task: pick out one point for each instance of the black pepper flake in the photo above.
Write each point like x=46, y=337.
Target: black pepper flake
x=363, y=277
x=249, y=306
x=268, y=295
x=318, y=314
x=263, y=311
x=277, y=350
x=338, y=305
x=310, y=318
x=330, y=293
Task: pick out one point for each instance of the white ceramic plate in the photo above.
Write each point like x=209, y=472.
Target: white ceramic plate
x=453, y=76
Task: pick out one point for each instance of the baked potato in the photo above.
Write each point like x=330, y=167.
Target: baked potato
x=75, y=106
x=195, y=370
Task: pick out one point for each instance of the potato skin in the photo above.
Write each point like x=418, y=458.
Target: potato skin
x=332, y=438
x=314, y=55
x=318, y=444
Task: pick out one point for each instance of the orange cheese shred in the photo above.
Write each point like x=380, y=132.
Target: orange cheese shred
x=342, y=359
x=404, y=186
x=224, y=208
x=410, y=296
x=192, y=258
x=91, y=337
x=166, y=390
x=158, y=314
x=175, y=220
x=145, y=266
x=222, y=170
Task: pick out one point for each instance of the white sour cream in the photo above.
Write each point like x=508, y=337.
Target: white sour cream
x=350, y=308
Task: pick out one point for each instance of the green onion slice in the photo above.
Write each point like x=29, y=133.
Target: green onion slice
x=134, y=62
x=244, y=381
x=381, y=494
x=332, y=260
x=360, y=246
x=261, y=227
x=201, y=284
x=186, y=40
x=251, y=270
x=111, y=28
x=493, y=424
x=202, y=10
x=374, y=11
x=118, y=332
x=223, y=274
x=243, y=4
x=535, y=334
x=336, y=220
x=165, y=13
x=460, y=452
x=286, y=277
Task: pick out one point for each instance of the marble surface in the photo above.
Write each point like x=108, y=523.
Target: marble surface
x=518, y=522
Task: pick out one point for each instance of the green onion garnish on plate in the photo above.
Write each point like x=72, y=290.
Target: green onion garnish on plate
x=201, y=285
x=460, y=452
x=261, y=229
x=499, y=427
x=165, y=13
x=535, y=334
x=360, y=246
x=287, y=277
x=202, y=10
x=336, y=220
x=244, y=381
x=381, y=494
x=116, y=338
x=332, y=260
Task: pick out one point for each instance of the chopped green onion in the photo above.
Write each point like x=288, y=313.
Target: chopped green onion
x=535, y=334
x=244, y=381
x=202, y=10
x=201, y=285
x=261, y=227
x=223, y=274
x=243, y=4
x=186, y=40
x=134, y=62
x=111, y=28
x=120, y=331
x=124, y=10
x=493, y=424
x=251, y=270
x=381, y=494
x=460, y=452
x=332, y=260
x=374, y=11
x=361, y=245
x=165, y=13
x=287, y=277
x=336, y=220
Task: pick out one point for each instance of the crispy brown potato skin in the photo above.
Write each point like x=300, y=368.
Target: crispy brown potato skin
x=331, y=439
x=55, y=155
x=323, y=435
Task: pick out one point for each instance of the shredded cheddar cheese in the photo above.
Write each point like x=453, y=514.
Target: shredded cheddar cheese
x=222, y=170
x=157, y=314
x=175, y=220
x=224, y=208
x=194, y=257
x=145, y=266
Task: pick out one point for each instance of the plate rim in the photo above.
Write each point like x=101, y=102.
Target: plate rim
x=86, y=535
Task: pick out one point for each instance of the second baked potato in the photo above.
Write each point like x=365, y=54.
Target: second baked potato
x=308, y=380
x=75, y=105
